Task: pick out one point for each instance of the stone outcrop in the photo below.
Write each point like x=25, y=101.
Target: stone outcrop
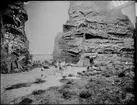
x=15, y=54
x=96, y=29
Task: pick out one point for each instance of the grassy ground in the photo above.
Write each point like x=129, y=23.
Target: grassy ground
x=92, y=88
x=109, y=81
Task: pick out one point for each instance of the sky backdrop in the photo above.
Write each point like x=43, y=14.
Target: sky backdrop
x=45, y=20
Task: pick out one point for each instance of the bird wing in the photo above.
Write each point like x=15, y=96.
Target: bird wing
x=82, y=13
x=75, y=16
x=89, y=12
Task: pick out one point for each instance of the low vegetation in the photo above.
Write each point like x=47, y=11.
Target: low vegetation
x=97, y=89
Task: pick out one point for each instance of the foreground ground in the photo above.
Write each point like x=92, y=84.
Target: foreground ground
x=75, y=85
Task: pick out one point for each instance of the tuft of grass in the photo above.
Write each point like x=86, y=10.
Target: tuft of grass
x=66, y=94
x=64, y=80
x=84, y=94
x=26, y=101
x=39, y=80
x=70, y=75
x=38, y=92
x=20, y=85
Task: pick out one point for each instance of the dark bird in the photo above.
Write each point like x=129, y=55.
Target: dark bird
x=89, y=12
x=86, y=13
x=82, y=13
x=42, y=70
x=75, y=16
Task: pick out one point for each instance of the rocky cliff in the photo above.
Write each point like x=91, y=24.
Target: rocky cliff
x=14, y=44
x=93, y=28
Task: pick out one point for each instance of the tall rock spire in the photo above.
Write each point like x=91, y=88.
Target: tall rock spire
x=14, y=44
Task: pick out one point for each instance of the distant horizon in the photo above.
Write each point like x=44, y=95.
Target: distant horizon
x=40, y=54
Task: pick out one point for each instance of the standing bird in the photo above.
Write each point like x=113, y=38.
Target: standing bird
x=41, y=75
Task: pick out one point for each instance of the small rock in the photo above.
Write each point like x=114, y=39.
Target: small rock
x=45, y=67
x=117, y=80
x=79, y=73
x=70, y=75
x=87, y=74
x=83, y=71
x=89, y=68
x=42, y=70
x=64, y=76
x=69, y=82
x=107, y=75
x=85, y=94
x=90, y=80
x=63, y=80
x=39, y=81
x=26, y=101
x=66, y=94
x=37, y=92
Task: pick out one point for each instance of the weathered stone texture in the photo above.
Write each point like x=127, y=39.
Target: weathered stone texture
x=14, y=43
x=96, y=29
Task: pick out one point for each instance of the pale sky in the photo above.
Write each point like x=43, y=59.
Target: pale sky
x=45, y=20
x=136, y=9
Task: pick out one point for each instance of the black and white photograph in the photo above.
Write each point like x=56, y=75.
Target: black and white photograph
x=68, y=52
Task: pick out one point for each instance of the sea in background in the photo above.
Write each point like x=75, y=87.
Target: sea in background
x=41, y=57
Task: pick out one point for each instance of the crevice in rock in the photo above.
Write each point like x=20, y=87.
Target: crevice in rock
x=90, y=36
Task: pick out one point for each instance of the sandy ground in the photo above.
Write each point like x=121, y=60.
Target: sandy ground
x=52, y=77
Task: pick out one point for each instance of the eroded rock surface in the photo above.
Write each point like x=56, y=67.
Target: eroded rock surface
x=14, y=43
x=93, y=28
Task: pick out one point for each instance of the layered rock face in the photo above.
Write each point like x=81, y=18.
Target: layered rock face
x=14, y=44
x=93, y=28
